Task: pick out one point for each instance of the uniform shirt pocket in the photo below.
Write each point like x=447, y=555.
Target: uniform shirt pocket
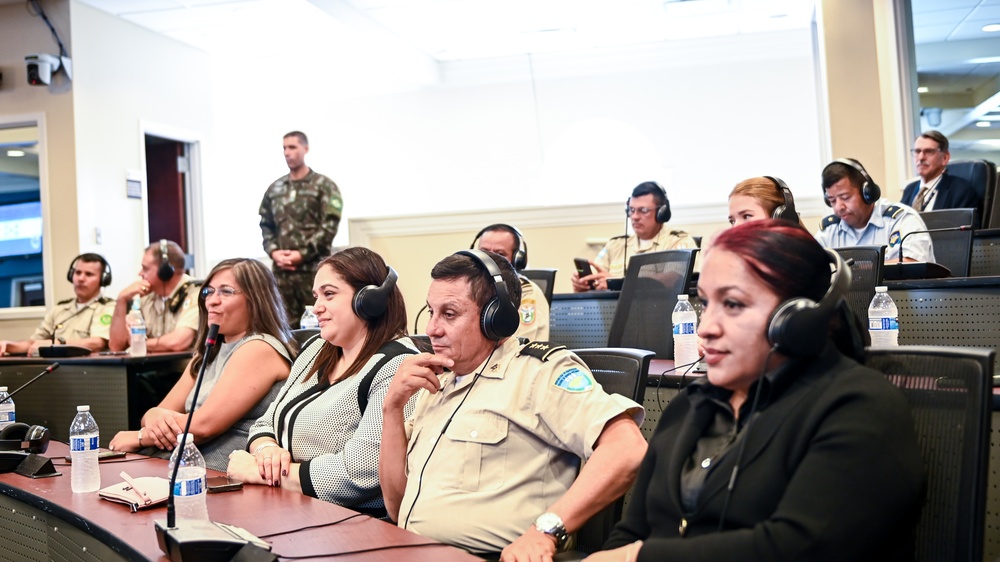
x=480, y=440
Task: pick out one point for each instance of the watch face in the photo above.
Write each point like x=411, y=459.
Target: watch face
x=548, y=523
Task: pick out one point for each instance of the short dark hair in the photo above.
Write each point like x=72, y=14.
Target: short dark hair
x=837, y=171
x=90, y=257
x=938, y=137
x=299, y=135
x=481, y=288
x=175, y=255
x=500, y=227
x=651, y=188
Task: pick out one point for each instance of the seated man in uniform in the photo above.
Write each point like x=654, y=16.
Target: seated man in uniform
x=508, y=241
x=937, y=189
x=490, y=459
x=648, y=209
x=168, y=301
x=82, y=321
x=862, y=218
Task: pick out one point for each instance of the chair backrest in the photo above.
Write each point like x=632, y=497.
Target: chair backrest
x=952, y=249
x=866, y=274
x=301, y=336
x=982, y=175
x=648, y=297
x=423, y=342
x=544, y=278
x=949, y=392
x=621, y=371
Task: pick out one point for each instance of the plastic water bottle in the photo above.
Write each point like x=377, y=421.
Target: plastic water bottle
x=883, y=320
x=137, y=326
x=685, y=321
x=309, y=319
x=7, y=414
x=83, y=447
x=190, y=489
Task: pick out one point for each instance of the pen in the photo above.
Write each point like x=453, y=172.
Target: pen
x=135, y=488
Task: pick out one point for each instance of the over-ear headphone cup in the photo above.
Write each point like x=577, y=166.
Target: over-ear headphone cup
x=663, y=212
x=498, y=323
x=366, y=304
x=871, y=192
x=797, y=327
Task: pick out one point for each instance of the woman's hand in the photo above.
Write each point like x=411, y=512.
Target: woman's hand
x=243, y=467
x=126, y=441
x=271, y=461
x=162, y=428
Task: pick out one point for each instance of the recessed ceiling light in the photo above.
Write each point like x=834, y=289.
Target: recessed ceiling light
x=989, y=28
x=983, y=123
x=923, y=90
x=15, y=153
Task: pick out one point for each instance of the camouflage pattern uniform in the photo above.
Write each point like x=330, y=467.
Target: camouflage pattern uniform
x=300, y=215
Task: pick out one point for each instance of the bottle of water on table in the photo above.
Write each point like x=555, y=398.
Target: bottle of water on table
x=190, y=489
x=685, y=321
x=883, y=320
x=83, y=449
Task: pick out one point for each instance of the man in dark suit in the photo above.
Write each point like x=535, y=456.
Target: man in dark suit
x=937, y=189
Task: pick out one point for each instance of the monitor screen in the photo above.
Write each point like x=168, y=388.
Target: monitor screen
x=21, y=229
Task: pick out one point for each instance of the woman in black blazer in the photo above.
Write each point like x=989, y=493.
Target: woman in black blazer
x=827, y=457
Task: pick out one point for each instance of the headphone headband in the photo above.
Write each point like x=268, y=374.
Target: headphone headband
x=785, y=211
x=105, y=267
x=870, y=191
x=520, y=260
x=499, y=318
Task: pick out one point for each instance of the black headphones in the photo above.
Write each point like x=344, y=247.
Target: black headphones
x=166, y=270
x=798, y=327
x=785, y=211
x=499, y=318
x=870, y=191
x=370, y=301
x=105, y=268
x=520, y=255
x=22, y=437
x=662, y=211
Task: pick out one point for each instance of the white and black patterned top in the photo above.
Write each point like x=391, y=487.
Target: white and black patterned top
x=216, y=451
x=323, y=428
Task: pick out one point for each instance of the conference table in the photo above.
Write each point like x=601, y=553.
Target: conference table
x=42, y=519
x=118, y=388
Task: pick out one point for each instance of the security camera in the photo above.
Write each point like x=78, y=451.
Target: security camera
x=40, y=68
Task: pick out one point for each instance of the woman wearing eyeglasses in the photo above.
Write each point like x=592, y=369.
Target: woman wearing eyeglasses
x=244, y=370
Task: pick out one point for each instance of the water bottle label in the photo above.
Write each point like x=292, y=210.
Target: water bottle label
x=191, y=487
x=77, y=444
x=138, y=331
x=883, y=323
x=684, y=328
x=7, y=416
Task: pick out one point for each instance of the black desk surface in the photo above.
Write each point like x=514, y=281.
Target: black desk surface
x=95, y=359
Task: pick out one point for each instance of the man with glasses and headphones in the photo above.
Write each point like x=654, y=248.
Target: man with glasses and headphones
x=937, y=189
x=168, y=301
x=862, y=218
x=84, y=320
x=533, y=312
x=648, y=209
x=490, y=459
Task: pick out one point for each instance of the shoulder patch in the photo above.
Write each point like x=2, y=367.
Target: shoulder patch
x=105, y=319
x=894, y=239
x=574, y=380
x=828, y=220
x=66, y=301
x=892, y=211
x=336, y=202
x=540, y=350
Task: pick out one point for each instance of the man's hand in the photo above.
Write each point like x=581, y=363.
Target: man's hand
x=532, y=546
x=139, y=287
x=162, y=427
x=415, y=372
x=595, y=281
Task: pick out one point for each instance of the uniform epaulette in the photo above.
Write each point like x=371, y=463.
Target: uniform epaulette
x=541, y=349
x=892, y=211
x=678, y=233
x=828, y=220
x=66, y=301
x=103, y=300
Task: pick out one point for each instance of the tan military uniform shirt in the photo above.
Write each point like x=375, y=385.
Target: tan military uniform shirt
x=612, y=257
x=66, y=321
x=161, y=320
x=534, y=312
x=509, y=453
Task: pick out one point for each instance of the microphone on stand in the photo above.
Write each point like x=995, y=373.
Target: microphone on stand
x=47, y=370
x=932, y=230
x=196, y=541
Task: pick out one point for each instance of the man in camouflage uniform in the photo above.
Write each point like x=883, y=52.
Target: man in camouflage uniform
x=299, y=217
x=84, y=320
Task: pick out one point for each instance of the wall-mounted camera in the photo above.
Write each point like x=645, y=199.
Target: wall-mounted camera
x=41, y=67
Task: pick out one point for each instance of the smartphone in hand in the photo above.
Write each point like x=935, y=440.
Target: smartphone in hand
x=583, y=269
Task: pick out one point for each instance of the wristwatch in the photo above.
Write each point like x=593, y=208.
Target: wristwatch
x=551, y=524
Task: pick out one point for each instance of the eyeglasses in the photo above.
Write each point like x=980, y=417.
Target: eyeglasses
x=224, y=291
x=641, y=210
x=927, y=151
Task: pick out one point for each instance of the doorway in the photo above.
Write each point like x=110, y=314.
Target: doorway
x=167, y=190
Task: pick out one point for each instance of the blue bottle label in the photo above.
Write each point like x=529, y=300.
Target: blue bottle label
x=684, y=328
x=7, y=416
x=191, y=487
x=78, y=444
x=883, y=323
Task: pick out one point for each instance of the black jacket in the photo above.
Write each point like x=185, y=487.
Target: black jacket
x=953, y=193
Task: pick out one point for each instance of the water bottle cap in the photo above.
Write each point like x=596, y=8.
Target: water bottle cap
x=3, y=389
x=84, y=408
x=881, y=289
x=682, y=297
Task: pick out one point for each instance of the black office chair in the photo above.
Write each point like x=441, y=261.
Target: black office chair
x=648, y=297
x=544, y=278
x=952, y=249
x=303, y=335
x=982, y=175
x=949, y=391
x=619, y=371
x=866, y=274
x=985, y=253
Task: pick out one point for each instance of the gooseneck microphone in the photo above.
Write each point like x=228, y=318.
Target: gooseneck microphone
x=203, y=540
x=929, y=231
x=47, y=370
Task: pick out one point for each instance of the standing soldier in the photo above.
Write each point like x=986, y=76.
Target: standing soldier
x=299, y=217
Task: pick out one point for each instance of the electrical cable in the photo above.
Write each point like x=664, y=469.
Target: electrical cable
x=317, y=526
x=39, y=12
x=680, y=384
